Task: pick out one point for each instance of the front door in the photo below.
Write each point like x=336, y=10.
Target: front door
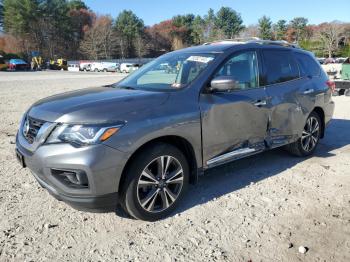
x=234, y=121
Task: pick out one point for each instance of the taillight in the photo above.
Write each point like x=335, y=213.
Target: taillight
x=331, y=85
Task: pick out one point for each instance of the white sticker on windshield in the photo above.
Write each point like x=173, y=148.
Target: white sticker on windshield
x=200, y=59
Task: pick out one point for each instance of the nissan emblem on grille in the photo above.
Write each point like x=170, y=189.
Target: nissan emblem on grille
x=31, y=128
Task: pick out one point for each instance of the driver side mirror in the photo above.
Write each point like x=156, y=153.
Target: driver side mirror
x=223, y=84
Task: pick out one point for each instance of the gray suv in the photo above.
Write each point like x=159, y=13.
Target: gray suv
x=137, y=144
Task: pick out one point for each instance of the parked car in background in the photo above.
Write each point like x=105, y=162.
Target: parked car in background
x=340, y=60
x=96, y=67
x=113, y=67
x=73, y=67
x=329, y=60
x=321, y=60
x=104, y=67
x=85, y=66
x=137, y=144
x=18, y=64
x=128, y=67
x=339, y=73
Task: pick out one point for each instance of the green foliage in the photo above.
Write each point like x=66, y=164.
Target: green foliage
x=128, y=24
x=197, y=33
x=19, y=14
x=265, y=28
x=228, y=22
x=314, y=46
x=76, y=5
x=129, y=27
x=209, y=30
x=44, y=25
x=9, y=56
x=190, y=28
x=67, y=27
x=299, y=25
x=280, y=29
x=344, y=51
x=183, y=20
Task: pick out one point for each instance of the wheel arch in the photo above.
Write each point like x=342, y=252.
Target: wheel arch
x=321, y=114
x=181, y=143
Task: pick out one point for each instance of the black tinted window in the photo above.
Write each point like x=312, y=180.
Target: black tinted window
x=308, y=66
x=280, y=66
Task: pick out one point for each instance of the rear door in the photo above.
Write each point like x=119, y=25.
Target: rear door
x=283, y=82
x=236, y=121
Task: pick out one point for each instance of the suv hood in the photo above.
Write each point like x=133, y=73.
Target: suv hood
x=96, y=105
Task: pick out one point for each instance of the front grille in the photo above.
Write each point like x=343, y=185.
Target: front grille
x=31, y=128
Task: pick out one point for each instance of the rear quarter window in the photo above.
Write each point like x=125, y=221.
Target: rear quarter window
x=280, y=66
x=308, y=66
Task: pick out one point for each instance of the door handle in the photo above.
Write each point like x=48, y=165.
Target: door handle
x=308, y=91
x=260, y=103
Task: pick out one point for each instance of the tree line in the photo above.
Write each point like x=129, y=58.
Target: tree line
x=62, y=28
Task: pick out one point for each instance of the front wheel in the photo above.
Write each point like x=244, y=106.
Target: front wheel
x=155, y=182
x=307, y=143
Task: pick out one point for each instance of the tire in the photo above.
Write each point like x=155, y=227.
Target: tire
x=146, y=195
x=307, y=143
x=105, y=70
x=96, y=70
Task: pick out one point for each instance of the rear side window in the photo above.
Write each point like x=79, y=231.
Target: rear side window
x=308, y=66
x=280, y=66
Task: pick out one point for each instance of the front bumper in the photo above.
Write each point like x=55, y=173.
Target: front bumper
x=103, y=203
x=102, y=165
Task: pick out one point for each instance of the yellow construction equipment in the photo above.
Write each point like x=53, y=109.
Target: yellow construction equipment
x=36, y=63
x=58, y=64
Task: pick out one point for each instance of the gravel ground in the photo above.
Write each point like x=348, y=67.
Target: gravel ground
x=258, y=209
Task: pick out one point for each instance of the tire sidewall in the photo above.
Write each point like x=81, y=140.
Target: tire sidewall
x=302, y=151
x=131, y=202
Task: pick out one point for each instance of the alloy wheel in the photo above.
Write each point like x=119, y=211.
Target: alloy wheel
x=160, y=184
x=310, y=134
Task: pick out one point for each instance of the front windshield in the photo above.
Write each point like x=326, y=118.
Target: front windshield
x=168, y=72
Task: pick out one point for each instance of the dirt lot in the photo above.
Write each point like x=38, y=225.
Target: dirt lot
x=259, y=209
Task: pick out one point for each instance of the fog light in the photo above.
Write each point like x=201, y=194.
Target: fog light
x=76, y=178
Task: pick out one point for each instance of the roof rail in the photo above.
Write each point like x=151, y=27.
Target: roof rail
x=274, y=42
x=249, y=40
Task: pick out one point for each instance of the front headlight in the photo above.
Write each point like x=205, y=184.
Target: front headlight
x=81, y=134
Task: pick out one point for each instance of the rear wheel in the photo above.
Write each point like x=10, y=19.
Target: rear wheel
x=307, y=143
x=155, y=182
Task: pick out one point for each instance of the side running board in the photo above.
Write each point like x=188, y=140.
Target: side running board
x=236, y=154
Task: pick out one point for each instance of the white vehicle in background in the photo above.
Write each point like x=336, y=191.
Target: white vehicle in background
x=128, y=67
x=84, y=66
x=73, y=67
x=96, y=67
x=104, y=67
